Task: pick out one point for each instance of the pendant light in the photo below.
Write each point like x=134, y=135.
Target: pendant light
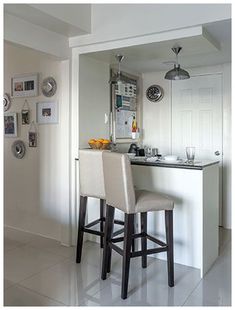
x=117, y=78
x=177, y=73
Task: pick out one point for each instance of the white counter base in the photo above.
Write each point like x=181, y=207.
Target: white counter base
x=196, y=197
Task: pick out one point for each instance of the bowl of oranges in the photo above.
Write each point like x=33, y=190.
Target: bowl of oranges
x=99, y=144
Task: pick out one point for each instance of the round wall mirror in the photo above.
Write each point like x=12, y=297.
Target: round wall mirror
x=18, y=149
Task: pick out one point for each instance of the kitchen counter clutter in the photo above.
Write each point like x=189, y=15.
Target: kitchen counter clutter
x=181, y=163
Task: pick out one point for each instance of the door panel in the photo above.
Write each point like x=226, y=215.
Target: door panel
x=197, y=119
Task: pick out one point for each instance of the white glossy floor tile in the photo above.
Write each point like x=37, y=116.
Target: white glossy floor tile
x=10, y=244
x=25, y=261
x=92, y=254
x=47, y=274
x=67, y=282
x=147, y=287
x=51, y=246
x=215, y=288
x=8, y=283
x=19, y=296
x=17, y=235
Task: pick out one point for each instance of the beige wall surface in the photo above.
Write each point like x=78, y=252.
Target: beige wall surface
x=37, y=187
x=94, y=100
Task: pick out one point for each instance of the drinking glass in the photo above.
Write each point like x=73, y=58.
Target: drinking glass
x=190, y=152
x=148, y=151
x=154, y=152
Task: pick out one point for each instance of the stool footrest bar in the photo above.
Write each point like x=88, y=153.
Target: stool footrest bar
x=118, y=232
x=155, y=240
x=118, y=222
x=94, y=222
x=150, y=251
x=116, y=248
x=93, y=232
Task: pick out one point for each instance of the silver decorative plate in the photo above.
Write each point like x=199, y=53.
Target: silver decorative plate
x=6, y=102
x=18, y=149
x=49, y=86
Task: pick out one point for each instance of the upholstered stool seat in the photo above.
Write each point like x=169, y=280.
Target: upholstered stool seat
x=150, y=201
x=120, y=194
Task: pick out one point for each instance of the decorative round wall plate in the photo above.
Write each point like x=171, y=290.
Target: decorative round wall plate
x=6, y=102
x=154, y=93
x=49, y=86
x=18, y=149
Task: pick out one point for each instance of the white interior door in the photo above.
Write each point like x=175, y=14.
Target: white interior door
x=197, y=119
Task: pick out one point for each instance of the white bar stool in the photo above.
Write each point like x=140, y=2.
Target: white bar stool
x=120, y=194
x=91, y=180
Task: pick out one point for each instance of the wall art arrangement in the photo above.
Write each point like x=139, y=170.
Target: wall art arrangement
x=47, y=112
x=10, y=124
x=18, y=149
x=32, y=135
x=25, y=113
x=6, y=102
x=25, y=85
x=49, y=87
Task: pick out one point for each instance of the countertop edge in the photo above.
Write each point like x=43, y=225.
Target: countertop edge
x=173, y=165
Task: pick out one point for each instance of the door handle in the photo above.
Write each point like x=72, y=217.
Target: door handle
x=217, y=153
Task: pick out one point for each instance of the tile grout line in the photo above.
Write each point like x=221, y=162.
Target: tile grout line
x=37, y=273
x=190, y=294
x=224, y=246
x=40, y=294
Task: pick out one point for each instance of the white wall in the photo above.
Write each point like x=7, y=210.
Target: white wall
x=157, y=116
x=19, y=31
x=36, y=188
x=129, y=20
x=157, y=123
x=94, y=100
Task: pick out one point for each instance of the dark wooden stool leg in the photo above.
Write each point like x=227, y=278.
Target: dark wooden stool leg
x=107, y=238
x=109, y=248
x=170, y=251
x=101, y=222
x=144, y=239
x=133, y=232
x=128, y=229
x=81, y=224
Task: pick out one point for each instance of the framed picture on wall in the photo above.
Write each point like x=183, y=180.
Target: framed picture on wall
x=10, y=124
x=47, y=112
x=25, y=85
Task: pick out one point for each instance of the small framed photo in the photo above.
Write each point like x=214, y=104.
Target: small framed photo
x=47, y=112
x=32, y=139
x=10, y=124
x=25, y=117
x=24, y=85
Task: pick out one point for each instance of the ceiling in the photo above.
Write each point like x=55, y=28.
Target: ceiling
x=75, y=20
x=196, y=51
x=65, y=19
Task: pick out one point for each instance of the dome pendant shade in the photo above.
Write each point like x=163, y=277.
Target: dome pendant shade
x=117, y=78
x=177, y=73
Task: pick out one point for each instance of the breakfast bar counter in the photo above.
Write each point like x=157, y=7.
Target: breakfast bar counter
x=195, y=191
x=197, y=165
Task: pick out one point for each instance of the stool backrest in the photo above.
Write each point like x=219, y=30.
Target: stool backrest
x=118, y=181
x=91, y=177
